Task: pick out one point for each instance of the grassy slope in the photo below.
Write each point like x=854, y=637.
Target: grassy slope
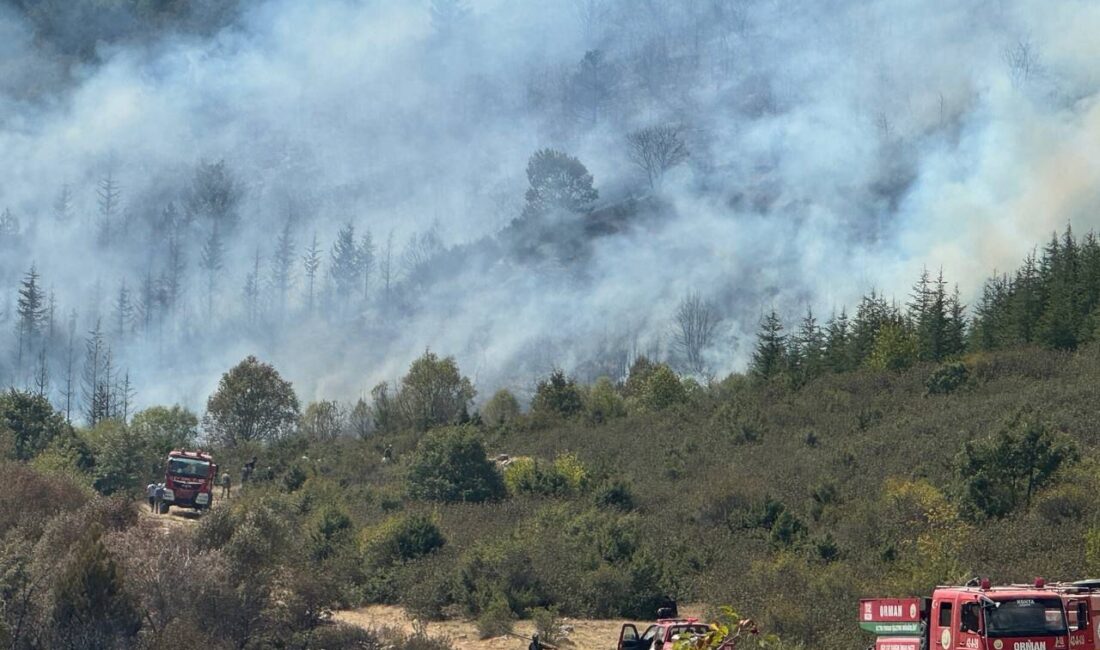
x=695, y=479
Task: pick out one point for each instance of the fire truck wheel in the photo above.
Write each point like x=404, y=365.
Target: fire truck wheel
x=164, y=508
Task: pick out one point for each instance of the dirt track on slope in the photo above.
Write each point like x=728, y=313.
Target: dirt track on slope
x=585, y=634
x=582, y=634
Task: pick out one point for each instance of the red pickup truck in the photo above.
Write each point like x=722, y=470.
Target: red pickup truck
x=661, y=634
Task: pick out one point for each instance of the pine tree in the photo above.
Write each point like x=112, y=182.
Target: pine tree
x=93, y=378
x=770, y=357
x=108, y=195
x=9, y=228
x=345, y=262
x=871, y=315
x=838, y=345
x=51, y=316
x=252, y=291
x=955, y=328
x=1061, y=320
x=124, y=313
x=312, y=261
x=920, y=298
x=41, y=374
x=175, y=267
x=148, y=301
x=1025, y=297
x=212, y=259
x=63, y=205
x=1090, y=273
x=366, y=261
x=811, y=347
x=385, y=269
x=282, y=261
x=992, y=317
x=31, y=311
x=70, y=359
x=124, y=391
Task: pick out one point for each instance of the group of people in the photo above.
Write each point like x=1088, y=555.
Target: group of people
x=226, y=481
x=155, y=493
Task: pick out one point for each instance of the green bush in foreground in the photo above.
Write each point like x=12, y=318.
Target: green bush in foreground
x=450, y=465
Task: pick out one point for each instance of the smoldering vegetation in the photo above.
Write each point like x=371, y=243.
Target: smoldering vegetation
x=336, y=186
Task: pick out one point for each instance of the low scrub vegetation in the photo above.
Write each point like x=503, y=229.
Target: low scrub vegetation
x=791, y=500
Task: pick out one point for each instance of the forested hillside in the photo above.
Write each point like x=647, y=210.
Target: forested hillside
x=909, y=447
x=789, y=502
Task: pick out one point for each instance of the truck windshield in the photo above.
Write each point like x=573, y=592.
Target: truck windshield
x=188, y=467
x=1026, y=617
x=687, y=631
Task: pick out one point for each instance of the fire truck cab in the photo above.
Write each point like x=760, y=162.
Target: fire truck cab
x=982, y=617
x=976, y=616
x=1082, y=602
x=189, y=478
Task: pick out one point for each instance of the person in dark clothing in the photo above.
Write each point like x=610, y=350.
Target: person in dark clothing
x=246, y=471
x=159, y=498
x=535, y=643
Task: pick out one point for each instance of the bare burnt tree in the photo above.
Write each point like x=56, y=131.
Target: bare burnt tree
x=1022, y=59
x=282, y=272
x=655, y=150
x=385, y=268
x=419, y=251
x=696, y=320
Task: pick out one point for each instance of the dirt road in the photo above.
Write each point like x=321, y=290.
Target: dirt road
x=584, y=634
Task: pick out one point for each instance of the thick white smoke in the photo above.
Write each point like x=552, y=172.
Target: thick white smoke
x=835, y=146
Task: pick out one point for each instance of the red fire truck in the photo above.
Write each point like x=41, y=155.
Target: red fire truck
x=976, y=616
x=1082, y=600
x=189, y=478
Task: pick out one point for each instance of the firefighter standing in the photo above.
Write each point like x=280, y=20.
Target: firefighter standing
x=535, y=644
x=158, y=497
x=225, y=484
x=151, y=494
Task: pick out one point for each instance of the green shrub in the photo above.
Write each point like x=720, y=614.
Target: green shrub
x=451, y=465
x=91, y=604
x=526, y=476
x=947, y=378
x=30, y=421
x=895, y=348
x=1004, y=471
x=614, y=493
x=498, y=569
x=501, y=409
x=332, y=532
x=557, y=396
x=294, y=478
x=663, y=389
x=1063, y=503
x=547, y=624
x=787, y=529
x=604, y=402
x=404, y=538
x=496, y=619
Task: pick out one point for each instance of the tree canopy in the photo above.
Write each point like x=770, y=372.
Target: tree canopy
x=252, y=403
